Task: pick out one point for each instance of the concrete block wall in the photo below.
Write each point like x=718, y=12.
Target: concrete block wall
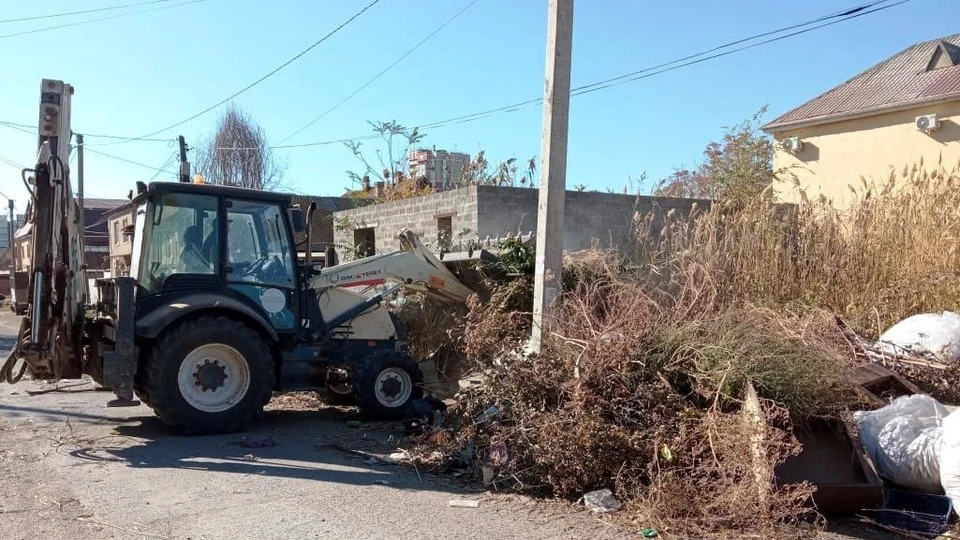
x=590, y=218
x=418, y=214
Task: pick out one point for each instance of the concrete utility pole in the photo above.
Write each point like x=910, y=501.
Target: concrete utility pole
x=553, y=169
x=10, y=230
x=80, y=180
x=184, y=164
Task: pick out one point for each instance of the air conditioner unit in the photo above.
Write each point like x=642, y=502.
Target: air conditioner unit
x=928, y=122
x=792, y=144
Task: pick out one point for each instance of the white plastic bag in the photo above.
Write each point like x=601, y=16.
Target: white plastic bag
x=936, y=333
x=904, y=439
x=950, y=459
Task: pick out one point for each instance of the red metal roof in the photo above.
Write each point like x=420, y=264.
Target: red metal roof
x=908, y=77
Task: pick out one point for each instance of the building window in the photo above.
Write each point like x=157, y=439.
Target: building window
x=445, y=232
x=116, y=232
x=364, y=242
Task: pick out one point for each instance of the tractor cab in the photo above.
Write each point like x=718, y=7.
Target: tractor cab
x=200, y=238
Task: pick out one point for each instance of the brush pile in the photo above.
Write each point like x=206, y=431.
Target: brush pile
x=640, y=382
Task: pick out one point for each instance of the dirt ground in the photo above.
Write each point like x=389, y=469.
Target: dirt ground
x=72, y=468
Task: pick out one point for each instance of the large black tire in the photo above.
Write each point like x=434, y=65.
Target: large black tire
x=385, y=382
x=180, y=398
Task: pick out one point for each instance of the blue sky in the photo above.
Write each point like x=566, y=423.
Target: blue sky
x=139, y=73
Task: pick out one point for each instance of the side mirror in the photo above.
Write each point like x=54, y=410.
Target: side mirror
x=298, y=218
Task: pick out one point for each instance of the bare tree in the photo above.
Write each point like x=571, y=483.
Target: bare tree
x=238, y=154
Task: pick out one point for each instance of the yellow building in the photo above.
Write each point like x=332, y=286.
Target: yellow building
x=895, y=114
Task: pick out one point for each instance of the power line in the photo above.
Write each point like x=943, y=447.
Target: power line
x=98, y=19
x=261, y=79
x=67, y=14
x=643, y=74
x=125, y=160
x=27, y=128
x=18, y=127
x=163, y=168
x=833, y=18
x=12, y=163
x=382, y=72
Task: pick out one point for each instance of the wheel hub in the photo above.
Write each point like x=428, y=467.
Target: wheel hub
x=391, y=387
x=210, y=375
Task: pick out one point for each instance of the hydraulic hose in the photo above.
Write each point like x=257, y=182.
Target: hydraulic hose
x=6, y=372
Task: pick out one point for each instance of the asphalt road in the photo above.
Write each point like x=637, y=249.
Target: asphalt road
x=72, y=468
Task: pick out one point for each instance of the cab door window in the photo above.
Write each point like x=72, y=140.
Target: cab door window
x=180, y=238
x=258, y=248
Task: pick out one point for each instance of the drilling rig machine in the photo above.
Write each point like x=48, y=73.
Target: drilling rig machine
x=217, y=313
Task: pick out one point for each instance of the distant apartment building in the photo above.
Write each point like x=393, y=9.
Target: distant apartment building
x=5, y=229
x=441, y=168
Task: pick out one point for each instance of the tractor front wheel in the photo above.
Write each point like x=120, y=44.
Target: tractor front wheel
x=209, y=375
x=385, y=383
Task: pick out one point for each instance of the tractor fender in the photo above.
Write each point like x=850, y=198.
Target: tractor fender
x=152, y=324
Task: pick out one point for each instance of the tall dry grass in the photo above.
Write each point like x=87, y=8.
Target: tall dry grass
x=894, y=253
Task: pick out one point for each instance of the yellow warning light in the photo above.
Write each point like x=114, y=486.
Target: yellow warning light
x=199, y=179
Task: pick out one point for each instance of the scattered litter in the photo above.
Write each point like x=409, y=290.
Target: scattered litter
x=924, y=514
x=903, y=439
x=398, y=457
x=498, y=455
x=250, y=457
x=649, y=532
x=950, y=459
x=488, y=474
x=463, y=503
x=492, y=413
x=258, y=441
x=424, y=413
x=934, y=333
x=383, y=482
x=354, y=424
x=601, y=501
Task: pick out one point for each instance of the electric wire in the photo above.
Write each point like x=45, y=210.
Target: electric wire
x=98, y=19
x=834, y=18
x=125, y=160
x=382, y=72
x=69, y=13
x=261, y=79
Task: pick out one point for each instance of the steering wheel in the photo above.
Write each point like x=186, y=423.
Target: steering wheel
x=255, y=266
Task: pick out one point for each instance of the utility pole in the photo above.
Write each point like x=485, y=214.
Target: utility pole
x=80, y=180
x=553, y=170
x=10, y=230
x=184, y=164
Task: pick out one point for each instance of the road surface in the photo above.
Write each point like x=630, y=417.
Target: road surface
x=71, y=468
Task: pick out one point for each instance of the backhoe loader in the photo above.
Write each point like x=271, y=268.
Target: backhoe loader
x=218, y=313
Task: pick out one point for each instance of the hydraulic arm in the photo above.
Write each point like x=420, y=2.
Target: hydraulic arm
x=413, y=266
x=50, y=340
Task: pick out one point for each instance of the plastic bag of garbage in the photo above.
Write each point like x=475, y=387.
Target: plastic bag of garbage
x=601, y=501
x=903, y=439
x=936, y=333
x=950, y=459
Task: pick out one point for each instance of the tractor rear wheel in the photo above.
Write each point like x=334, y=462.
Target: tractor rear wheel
x=385, y=383
x=209, y=375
